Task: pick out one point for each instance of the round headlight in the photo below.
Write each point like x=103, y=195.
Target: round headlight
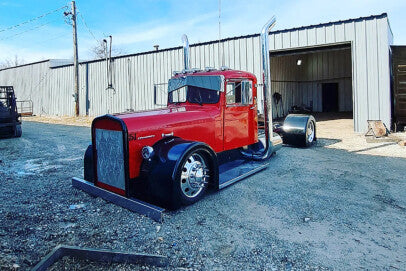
x=147, y=152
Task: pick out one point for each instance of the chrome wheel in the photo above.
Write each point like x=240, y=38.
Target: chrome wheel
x=194, y=175
x=310, y=131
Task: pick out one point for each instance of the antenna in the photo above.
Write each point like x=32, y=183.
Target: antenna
x=220, y=52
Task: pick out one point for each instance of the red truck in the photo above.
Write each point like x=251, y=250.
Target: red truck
x=208, y=135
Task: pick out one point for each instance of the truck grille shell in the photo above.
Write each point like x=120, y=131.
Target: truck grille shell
x=110, y=154
x=110, y=158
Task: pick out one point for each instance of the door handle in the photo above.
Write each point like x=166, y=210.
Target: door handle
x=253, y=107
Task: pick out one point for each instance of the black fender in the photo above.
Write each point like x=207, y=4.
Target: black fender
x=164, y=166
x=294, y=127
x=88, y=172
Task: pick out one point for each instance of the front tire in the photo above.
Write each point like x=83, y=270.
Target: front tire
x=18, y=131
x=192, y=177
x=88, y=164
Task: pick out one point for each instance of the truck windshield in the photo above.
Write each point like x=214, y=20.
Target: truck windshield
x=194, y=94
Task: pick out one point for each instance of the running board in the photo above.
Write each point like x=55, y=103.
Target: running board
x=131, y=204
x=238, y=170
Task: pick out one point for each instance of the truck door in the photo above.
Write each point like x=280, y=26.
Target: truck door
x=239, y=114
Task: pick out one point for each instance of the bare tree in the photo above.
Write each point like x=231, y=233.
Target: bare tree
x=11, y=62
x=101, y=50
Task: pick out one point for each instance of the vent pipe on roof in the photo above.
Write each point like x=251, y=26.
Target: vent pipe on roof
x=186, y=54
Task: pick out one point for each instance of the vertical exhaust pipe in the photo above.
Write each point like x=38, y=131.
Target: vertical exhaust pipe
x=272, y=143
x=186, y=53
x=266, y=77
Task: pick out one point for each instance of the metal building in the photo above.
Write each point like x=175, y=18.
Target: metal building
x=336, y=66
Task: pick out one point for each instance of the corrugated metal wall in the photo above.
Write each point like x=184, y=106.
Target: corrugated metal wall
x=370, y=38
x=303, y=84
x=134, y=76
x=50, y=89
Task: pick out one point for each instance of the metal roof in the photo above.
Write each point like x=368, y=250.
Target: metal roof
x=371, y=17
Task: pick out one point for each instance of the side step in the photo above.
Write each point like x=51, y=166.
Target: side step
x=131, y=204
x=234, y=171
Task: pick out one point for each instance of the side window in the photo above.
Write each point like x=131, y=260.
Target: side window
x=230, y=95
x=239, y=92
x=178, y=96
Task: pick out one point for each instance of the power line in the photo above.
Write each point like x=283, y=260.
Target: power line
x=58, y=36
x=33, y=19
x=28, y=30
x=88, y=29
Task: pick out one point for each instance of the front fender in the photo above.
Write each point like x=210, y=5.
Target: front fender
x=164, y=167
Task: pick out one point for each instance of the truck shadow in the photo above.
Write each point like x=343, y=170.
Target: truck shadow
x=323, y=142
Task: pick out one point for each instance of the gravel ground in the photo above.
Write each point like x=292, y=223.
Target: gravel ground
x=312, y=209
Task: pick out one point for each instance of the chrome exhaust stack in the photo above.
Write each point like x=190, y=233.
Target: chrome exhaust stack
x=272, y=142
x=186, y=52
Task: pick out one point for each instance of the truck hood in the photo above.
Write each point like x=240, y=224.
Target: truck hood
x=168, y=119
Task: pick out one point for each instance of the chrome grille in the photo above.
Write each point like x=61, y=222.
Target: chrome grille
x=110, y=158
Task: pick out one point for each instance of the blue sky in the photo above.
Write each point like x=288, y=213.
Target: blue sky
x=138, y=25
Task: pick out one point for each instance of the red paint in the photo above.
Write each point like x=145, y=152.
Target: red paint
x=220, y=126
x=107, y=125
x=111, y=188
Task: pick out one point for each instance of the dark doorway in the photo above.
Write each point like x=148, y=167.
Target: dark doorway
x=330, y=97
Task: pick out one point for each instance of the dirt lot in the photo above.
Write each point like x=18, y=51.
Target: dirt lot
x=334, y=206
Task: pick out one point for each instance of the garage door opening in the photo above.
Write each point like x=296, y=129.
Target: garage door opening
x=313, y=80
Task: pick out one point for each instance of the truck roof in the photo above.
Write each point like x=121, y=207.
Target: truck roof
x=228, y=74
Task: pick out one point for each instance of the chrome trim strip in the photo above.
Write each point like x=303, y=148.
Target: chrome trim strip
x=144, y=137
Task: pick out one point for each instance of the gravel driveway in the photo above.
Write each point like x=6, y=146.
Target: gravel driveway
x=316, y=209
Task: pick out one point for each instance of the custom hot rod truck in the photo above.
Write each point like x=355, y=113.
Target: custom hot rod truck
x=208, y=135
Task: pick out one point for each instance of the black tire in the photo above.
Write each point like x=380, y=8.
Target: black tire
x=18, y=131
x=310, y=135
x=88, y=164
x=192, y=177
x=299, y=130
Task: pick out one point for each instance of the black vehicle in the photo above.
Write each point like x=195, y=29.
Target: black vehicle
x=10, y=119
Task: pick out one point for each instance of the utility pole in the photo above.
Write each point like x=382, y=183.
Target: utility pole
x=75, y=58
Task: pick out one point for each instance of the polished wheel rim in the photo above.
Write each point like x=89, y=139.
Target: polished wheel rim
x=194, y=176
x=310, y=131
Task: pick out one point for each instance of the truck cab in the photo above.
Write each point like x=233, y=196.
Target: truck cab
x=229, y=97
x=209, y=114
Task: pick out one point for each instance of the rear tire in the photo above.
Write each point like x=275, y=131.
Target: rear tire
x=192, y=177
x=310, y=135
x=299, y=130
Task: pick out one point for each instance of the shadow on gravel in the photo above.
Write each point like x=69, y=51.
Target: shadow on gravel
x=324, y=142
x=375, y=147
